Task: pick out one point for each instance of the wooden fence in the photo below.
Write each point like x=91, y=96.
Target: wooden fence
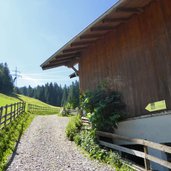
x=35, y=108
x=10, y=112
x=147, y=157
x=137, y=153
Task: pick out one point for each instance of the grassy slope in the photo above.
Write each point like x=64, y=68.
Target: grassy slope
x=10, y=137
x=4, y=100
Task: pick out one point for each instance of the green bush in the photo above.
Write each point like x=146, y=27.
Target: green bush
x=87, y=140
x=73, y=127
x=106, y=108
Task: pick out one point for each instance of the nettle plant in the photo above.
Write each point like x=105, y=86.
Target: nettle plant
x=103, y=107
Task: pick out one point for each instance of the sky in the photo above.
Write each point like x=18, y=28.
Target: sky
x=32, y=30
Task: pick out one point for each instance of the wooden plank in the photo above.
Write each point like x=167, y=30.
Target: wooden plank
x=1, y=111
x=146, y=161
x=137, y=153
x=115, y=20
x=5, y=115
x=82, y=43
x=8, y=119
x=67, y=55
x=11, y=107
x=14, y=110
x=159, y=161
x=102, y=28
x=2, y=122
x=60, y=61
x=154, y=145
x=73, y=49
x=130, y=10
x=91, y=36
x=123, y=149
x=135, y=56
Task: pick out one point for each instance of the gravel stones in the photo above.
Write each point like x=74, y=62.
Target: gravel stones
x=44, y=147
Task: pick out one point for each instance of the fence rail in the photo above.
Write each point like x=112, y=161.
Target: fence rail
x=10, y=112
x=34, y=108
x=137, y=153
x=145, y=143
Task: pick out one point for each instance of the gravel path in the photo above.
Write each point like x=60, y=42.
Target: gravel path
x=44, y=147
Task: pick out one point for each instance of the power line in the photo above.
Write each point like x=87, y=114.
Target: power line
x=16, y=75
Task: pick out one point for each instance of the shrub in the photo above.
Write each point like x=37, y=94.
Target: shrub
x=87, y=140
x=106, y=108
x=73, y=127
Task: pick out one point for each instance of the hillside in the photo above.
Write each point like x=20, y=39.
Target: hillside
x=4, y=100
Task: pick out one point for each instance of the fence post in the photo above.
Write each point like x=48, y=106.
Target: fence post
x=14, y=110
x=5, y=116
x=24, y=106
x=146, y=161
x=17, y=109
x=11, y=106
x=28, y=107
x=1, y=111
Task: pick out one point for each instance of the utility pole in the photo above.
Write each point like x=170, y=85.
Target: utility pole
x=16, y=75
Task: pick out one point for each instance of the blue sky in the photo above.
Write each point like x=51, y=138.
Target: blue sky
x=32, y=30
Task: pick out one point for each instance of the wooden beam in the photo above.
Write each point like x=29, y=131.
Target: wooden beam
x=68, y=55
x=82, y=43
x=91, y=36
x=123, y=149
x=71, y=63
x=73, y=49
x=137, y=153
x=151, y=144
x=79, y=45
x=60, y=61
x=146, y=161
x=130, y=10
x=102, y=28
x=65, y=55
x=73, y=75
x=76, y=71
x=115, y=20
x=53, y=66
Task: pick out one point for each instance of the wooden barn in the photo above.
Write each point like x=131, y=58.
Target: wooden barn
x=129, y=47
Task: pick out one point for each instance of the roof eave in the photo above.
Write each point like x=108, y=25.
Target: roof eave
x=82, y=32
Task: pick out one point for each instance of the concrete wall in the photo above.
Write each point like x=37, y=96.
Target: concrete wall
x=156, y=128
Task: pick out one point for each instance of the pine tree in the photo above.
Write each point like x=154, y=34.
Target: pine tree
x=6, y=81
x=64, y=96
x=73, y=95
x=54, y=94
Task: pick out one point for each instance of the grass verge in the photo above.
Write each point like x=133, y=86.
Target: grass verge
x=10, y=137
x=86, y=139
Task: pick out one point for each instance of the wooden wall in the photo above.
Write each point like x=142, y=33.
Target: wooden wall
x=135, y=59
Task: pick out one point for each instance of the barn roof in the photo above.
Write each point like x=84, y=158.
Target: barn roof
x=118, y=14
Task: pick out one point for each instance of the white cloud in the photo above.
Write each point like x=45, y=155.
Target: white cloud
x=35, y=79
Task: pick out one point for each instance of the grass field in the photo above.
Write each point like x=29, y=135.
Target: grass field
x=7, y=100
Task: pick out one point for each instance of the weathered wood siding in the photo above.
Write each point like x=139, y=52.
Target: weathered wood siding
x=135, y=59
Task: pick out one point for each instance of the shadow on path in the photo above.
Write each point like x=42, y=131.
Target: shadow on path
x=15, y=150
